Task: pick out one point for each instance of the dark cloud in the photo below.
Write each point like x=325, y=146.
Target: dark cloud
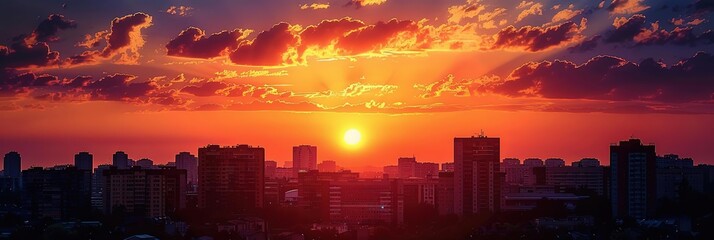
x=625, y=29
x=47, y=30
x=612, y=78
x=627, y=6
x=12, y=84
x=326, y=32
x=679, y=36
x=124, y=40
x=586, y=45
x=205, y=89
x=193, y=43
x=120, y=87
x=377, y=36
x=361, y=3
x=704, y=6
x=534, y=39
x=22, y=55
x=78, y=82
x=270, y=48
x=634, y=29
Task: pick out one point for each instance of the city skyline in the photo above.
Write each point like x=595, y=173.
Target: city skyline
x=556, y=78
x=133, y=161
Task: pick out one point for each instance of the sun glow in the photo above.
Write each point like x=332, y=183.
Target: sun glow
x=352, y=137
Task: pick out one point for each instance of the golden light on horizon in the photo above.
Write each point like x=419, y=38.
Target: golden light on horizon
x=352, y=137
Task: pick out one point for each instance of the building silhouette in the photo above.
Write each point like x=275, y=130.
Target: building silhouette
x=121, y=160
x=145, y=163
x=304, y=158
x=84, y=161
x=188, y=162
x=476, y=175
x=59, y=192
x=144, y=192
x=11, y=169
x=98, y=186
x=231, y=179
x=633, y=179
x=270, y=167
x=578, y=176
x=314, y=191
x=327, y=166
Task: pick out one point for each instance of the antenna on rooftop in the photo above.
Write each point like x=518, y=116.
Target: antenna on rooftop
x=482, y=134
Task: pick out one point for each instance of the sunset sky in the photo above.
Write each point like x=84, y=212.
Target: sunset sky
x=551, y=78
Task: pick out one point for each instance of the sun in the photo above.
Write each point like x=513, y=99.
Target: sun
x=352, y=137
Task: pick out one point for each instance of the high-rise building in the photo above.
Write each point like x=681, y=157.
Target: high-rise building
x=231, y=179
x=407, y=166
x=188, y=162
x=513, y=169
x=98, y=186
x=84, y=161
x=476, y=175
x=447, y=167
x=580, y=176
x=672, y=172
x=12, y=165
x=304, y=158
x=554, y=162
x=145, y=192
x=379, y=201
x=426, y=170
x=121, y=160
x=633, y=188
x=533, y=172
x=314, y=191
x=145, y=163
x=59, y=193
x=270, y=167
x=445, y=193
x=327, y=166
x=11, y=169
x=390, y=171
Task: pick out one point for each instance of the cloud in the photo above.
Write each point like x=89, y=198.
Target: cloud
x=47, y=30
x=633, y=29
x=612, y=78
x=461, y=88
x=273, y=47
x=471, y=9
x=566, y=14
x=93, y=40
x=362, y=3
x=120, y=87
x=532, y=8
x=205, y=88
x=13, y=85
x=534, y=39
x=179, y=10
x=625, y=28
x=123, y=40
x=326, y=33
x=22, y=55
x=359, y=89
x=263, y=92
x=193, y=43
x=627, y=6
x=377, y=36
x=586, y=45
x=315, y=6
